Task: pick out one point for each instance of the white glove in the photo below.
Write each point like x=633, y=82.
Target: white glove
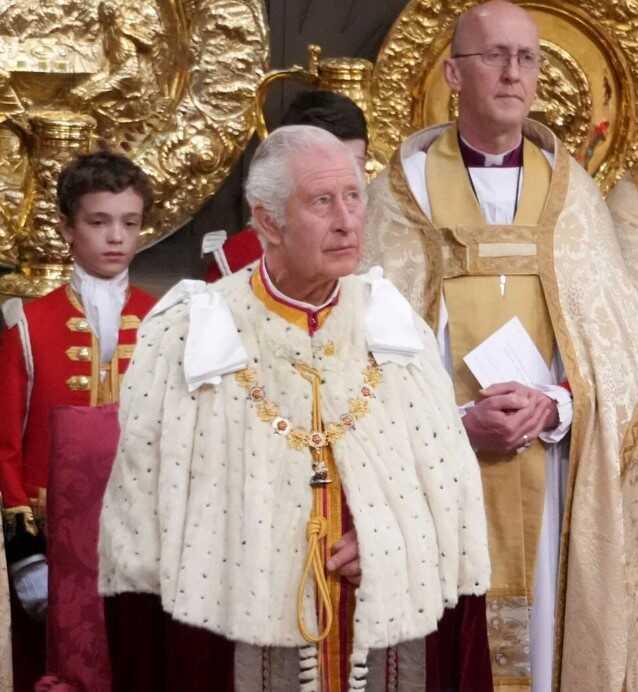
x=31, y=583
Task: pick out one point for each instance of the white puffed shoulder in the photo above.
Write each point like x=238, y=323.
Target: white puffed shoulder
x=179, y=293
x=392, y=333
x=213, y=345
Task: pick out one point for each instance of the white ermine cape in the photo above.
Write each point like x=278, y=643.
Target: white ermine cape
x=207, y=505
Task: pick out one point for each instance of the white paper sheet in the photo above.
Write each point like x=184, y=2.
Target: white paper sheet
x=508, y=355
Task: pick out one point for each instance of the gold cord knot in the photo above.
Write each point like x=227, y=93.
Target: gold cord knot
x=316, y=529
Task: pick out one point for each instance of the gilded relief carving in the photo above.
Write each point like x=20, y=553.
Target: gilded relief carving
x=171, y=83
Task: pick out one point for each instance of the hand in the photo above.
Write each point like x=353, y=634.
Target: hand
x=508, y=416
x=31, y=586
x=345, y=558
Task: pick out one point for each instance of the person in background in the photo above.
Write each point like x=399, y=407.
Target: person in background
x=325, y=109
x=69, y=348
x=488, y=221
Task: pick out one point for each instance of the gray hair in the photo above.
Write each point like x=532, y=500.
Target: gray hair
x=269, y=180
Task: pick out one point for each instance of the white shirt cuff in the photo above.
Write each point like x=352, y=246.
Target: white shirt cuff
x=565, y=407
x=15, y=567
x=465, y=408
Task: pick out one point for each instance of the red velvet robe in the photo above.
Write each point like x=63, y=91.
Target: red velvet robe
x=150, y=652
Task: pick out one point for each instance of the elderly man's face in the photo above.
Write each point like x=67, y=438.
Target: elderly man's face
x=323, y=231
x=498, y=97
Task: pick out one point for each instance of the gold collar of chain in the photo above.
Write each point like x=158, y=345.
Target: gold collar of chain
x=299, y=437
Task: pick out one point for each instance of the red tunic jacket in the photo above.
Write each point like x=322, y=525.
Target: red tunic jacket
x=66, y=371
x=240, y=250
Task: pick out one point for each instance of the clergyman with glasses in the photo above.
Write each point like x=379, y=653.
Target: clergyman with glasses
x=492, y=230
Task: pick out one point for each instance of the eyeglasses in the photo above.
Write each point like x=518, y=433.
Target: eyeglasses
x=498, y=57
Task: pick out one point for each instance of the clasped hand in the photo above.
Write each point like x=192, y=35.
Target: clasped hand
x=509, y=415
x=345, y=558
x=505, y=417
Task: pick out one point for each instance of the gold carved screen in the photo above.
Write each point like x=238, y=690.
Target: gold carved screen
x=586, y=90
x=170, y=83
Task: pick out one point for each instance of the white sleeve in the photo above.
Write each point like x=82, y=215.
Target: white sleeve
x=565, y=407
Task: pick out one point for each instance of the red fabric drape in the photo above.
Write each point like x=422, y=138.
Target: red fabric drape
x=151, y=652
x=83, y=446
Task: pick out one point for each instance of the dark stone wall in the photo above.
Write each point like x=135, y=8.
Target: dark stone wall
x=350, y=28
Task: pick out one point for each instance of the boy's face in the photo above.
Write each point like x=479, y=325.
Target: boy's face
x=104, y=231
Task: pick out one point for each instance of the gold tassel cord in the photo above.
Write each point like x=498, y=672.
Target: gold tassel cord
x=316, y=529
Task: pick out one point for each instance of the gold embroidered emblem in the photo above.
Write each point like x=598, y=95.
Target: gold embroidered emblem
x=329, y=349
x=358, y=408
x=267, y=411
x=246, y=378
x=372, y=374
x=298, y=439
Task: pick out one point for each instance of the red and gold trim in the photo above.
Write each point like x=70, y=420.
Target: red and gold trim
x=103, y=382
x=335, y=604
x=78, y=324
x=304, y=318
x=335, y=649
x=129, y=322
x=330, y=514
x=80, y=353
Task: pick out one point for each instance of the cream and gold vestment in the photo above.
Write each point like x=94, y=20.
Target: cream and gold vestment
x=209, y=501
x=623, y=205
x=562, y=257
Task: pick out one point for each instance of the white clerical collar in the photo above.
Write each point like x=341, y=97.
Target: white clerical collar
x=491, y=159
x=102, y=300
x=292, y=301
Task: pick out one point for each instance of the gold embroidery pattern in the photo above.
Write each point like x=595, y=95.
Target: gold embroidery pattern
x=125, y=350
x=129, y=322
x=327, y=350
x=508, y=630
x=299, y=438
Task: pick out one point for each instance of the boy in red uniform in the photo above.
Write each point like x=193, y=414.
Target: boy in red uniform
x=70, y=348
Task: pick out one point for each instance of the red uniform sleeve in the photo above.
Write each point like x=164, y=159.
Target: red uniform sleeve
x=240, y=250
x=13, y=401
